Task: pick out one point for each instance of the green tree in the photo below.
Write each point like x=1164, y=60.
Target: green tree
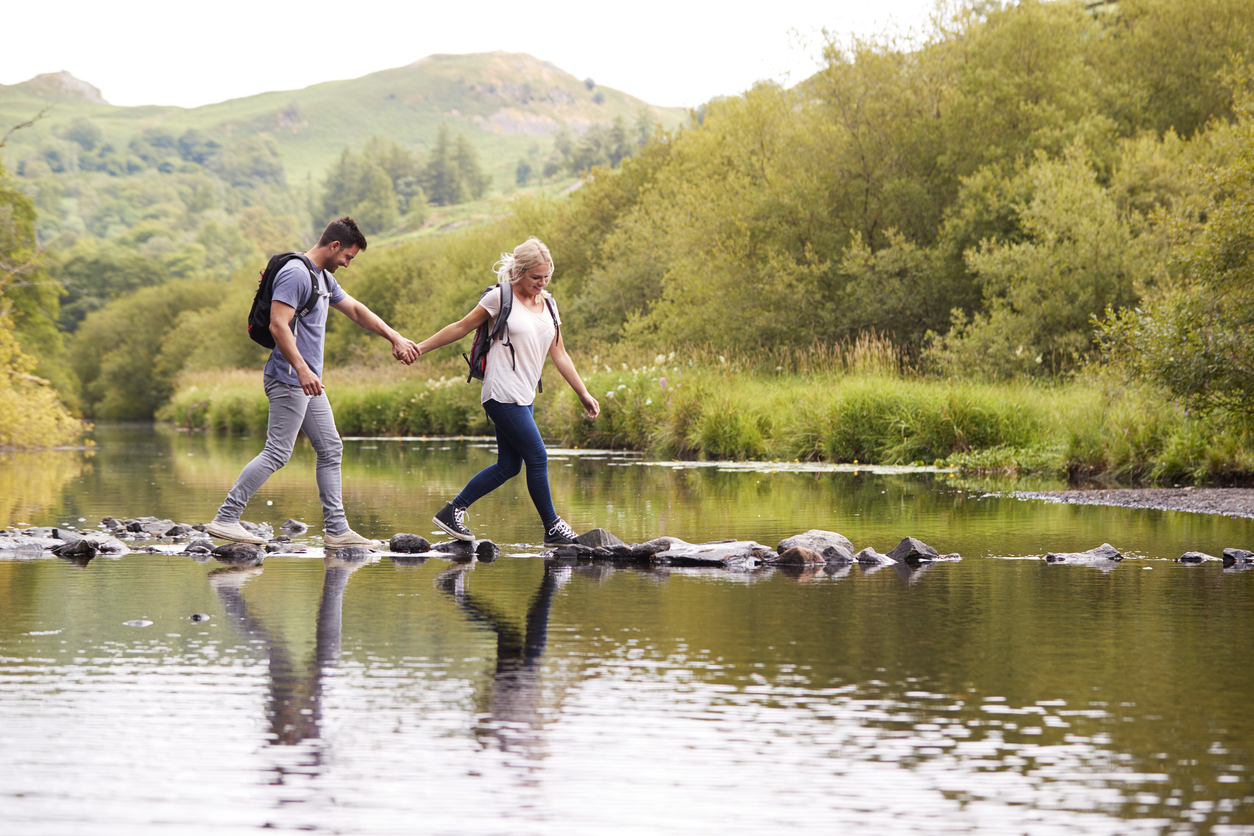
x=1194, y=333
x=117, y=350
x=1078, y=257
x=31, y=415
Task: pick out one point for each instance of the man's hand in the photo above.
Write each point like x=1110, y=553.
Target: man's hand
x=405, y=350
x=309, y=382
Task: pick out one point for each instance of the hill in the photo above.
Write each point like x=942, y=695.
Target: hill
x=506, y=103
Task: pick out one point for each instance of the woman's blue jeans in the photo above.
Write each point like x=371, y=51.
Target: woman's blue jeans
x=517, y=441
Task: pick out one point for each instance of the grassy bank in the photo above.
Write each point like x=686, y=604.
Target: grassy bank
x=835, y=407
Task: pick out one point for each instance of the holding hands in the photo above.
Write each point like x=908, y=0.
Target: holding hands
x=405, y=349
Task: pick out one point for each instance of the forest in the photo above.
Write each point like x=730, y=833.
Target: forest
x=1028, y=206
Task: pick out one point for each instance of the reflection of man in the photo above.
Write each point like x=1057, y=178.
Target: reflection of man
x=294, y=709
x=293, y=381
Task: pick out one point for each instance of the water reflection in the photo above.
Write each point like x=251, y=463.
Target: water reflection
x=294, y=695
x=509, y=700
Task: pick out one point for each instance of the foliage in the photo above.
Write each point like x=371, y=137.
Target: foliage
x=1193, y=334
x=122, y=354
x=30, y=413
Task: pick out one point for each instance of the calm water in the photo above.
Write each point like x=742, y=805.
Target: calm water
x=998, y=695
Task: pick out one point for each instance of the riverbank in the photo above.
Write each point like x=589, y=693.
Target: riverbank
x=839, y=408
x=1230, y=502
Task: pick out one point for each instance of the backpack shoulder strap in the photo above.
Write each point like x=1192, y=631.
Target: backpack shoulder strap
x=313, y=286
x=507, y=305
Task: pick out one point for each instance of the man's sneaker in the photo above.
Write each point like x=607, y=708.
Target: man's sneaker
x=453, y=520
x=349, y=538
x=232, y=531
x=560, y=534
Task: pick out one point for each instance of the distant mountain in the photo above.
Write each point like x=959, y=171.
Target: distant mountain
x=506, y=103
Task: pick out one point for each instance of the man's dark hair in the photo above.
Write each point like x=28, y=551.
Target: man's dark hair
x=345, y=231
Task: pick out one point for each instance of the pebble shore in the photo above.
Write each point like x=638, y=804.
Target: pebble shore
x=1231, y=502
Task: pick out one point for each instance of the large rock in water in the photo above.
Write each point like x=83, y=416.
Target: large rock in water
x=1105, y=553
x=1195, y=557
x=913, y=552
x=1238, y=557
x=598, y=538
x=799, y=556
x=240, y=554
x=870, y=557
x=408, y=544
x=731, y=554
x=834, y=547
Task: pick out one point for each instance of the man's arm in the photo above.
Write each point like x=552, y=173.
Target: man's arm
x=566, y=368
x=403, y=349
x=281, y=315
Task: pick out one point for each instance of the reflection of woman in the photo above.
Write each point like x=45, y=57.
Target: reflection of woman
x=509, y=387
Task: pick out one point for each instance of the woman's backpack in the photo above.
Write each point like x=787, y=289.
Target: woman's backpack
x=487, y=332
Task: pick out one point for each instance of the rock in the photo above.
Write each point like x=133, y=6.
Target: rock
x=110, y=523
x=913, y=552
x=486, y=551
x=178, y=530
x=78, y=548
x=1238, y=557
x=1104, y=553
x=240, y=554
x=740, y=554
x=870, y=557
x=799, y=556
x=352, y=554
x=199, y=616
x=64, y=534
x=598, y=538
x=262, y=530
x=406, y=543
x=453, y=547
x=294, y=527
x=836, y=555
x=198, y=547
x=1195, y=557
x=26, y=544
x=107, y=544
x=820, y=541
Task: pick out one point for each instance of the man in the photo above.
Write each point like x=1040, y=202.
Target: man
x=298, y=400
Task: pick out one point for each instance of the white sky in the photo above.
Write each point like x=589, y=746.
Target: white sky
x=678, y=53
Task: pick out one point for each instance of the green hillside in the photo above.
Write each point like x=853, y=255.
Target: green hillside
x=505, y=103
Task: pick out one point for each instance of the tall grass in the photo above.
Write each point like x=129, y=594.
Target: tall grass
x=852, y=403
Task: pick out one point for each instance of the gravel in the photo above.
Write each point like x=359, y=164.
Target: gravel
x=1231, y=502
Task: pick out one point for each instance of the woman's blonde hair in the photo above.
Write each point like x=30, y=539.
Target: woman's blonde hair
x=513, y=266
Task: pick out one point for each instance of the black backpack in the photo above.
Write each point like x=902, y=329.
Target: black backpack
x=259, y=314
x=487, y=332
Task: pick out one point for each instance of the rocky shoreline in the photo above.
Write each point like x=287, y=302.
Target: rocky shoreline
x=1231, y=502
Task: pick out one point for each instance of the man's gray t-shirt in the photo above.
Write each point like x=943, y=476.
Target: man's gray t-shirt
x=291, y=287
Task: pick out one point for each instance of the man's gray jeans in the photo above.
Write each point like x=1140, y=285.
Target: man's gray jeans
x=291, y=411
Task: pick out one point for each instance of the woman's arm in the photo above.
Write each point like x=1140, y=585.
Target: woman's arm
x=452, y=333
x=566, y=368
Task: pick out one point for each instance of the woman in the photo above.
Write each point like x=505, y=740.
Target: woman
x=509, y=387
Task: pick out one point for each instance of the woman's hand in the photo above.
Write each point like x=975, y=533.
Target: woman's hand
x=590, y=404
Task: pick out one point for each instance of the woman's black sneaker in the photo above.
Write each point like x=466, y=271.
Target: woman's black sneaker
x=453, y=520
x=560, y=534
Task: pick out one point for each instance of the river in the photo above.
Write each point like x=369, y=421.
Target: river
x=995, y=695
